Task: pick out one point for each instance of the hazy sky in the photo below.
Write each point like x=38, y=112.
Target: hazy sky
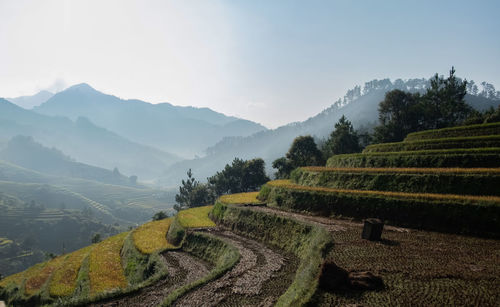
x=270, y=61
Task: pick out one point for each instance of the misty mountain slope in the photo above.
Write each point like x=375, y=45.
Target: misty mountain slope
x=84, y=141
x=185, y=131
x=25, y=152
x=360, y=106
x=108, y=202
x=29, y=102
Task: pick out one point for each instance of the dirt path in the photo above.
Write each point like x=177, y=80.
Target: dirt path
x=332, y=225
x=182, y=269
x=259, y=278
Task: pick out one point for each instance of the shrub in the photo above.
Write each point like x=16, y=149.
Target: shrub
x=176, y=232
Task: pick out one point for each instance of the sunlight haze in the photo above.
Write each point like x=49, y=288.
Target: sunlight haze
x=270, y=62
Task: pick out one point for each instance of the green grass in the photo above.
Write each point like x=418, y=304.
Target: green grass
x=461, y=131
x=462, y=181
x=443, y=212
x=475, y=157
x=444, y=143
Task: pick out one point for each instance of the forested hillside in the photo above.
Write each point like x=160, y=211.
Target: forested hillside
x=359, y=105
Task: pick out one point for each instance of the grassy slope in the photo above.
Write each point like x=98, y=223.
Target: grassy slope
x=444, y=143
x=461, y=131
x=462, y=181
x=443, y=212
x=472, y=157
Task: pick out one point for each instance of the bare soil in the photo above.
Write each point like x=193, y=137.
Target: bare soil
x=182, y=269
x=261, y=276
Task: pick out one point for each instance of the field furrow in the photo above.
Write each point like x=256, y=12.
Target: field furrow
x=260, y=277
x=182, y=269
x=433, y=269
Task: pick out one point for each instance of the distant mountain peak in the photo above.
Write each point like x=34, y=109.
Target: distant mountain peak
x=81, y=87
x=29, y=102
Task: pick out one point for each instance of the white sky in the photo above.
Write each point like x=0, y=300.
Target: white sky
x=273, y=62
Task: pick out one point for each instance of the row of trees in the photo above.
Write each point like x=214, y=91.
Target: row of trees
x=240, y=176
x=442, y=105
x=304, y=151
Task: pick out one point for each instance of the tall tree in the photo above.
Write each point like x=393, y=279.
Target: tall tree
x=240, y=176
x=283, y=166
x=399, y=114
x=192, y=193
x=302, y=152
x=444, y=104
x=342, y=140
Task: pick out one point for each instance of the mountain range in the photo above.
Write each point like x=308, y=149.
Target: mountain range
x=83, y=141
x=29, y=102
x=184, y=131
x=159, y=141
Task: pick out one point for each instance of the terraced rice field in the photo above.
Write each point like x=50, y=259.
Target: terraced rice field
x=15, y=279
x=241, y=198
x=105, y=266
x=182, y=268
x=64, y=279
x=466, y=198
x=151, y=237
x=404, y=170
x=35, y=281
x=259, y=278
x=444, y=143
x=196, y=217
x=418, y=267
x=461, y=131
x=5, y=241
